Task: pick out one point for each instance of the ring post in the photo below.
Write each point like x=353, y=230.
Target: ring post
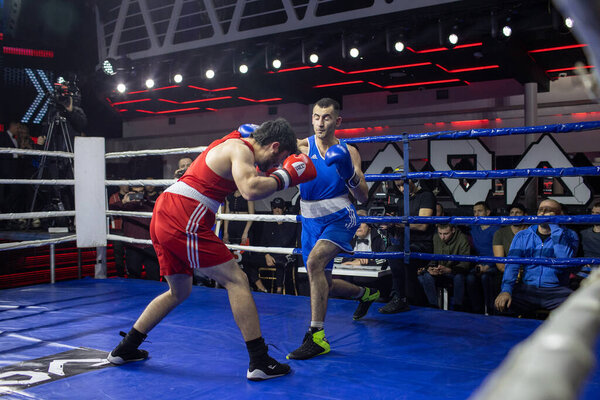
x=90, y=210
x=406, y=198
x=52, y=265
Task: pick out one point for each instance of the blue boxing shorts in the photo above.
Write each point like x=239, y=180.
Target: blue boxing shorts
x=338, y=228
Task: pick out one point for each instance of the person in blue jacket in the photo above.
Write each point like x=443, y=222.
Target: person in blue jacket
x=542, y=286
x=329, y=222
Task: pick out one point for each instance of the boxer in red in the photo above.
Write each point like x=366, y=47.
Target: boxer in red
x=182, y=237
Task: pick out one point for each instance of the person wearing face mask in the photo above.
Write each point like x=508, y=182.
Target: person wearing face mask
x=542, y=286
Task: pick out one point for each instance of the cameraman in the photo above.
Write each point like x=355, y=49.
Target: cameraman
x=64, y=111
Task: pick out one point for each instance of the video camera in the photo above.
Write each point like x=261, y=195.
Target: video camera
x=63, y=92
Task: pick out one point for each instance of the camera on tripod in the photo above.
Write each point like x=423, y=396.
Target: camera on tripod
x=65, y=94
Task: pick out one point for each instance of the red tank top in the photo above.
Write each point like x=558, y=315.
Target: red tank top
x=205, y=180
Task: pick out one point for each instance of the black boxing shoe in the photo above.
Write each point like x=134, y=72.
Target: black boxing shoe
x=126, y=351
x=266, y=368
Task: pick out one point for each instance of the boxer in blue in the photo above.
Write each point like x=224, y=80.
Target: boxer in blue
x=329, y=222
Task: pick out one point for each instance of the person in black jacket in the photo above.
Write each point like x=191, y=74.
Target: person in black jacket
x=365, y=239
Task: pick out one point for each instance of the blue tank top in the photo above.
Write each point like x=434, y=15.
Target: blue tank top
x=328, y=183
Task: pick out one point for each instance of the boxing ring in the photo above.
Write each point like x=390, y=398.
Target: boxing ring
x=54, y=337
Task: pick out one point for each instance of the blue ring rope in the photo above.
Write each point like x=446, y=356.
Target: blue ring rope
x=487, y=174
x=505, y=220
x=474, y=133
x=551, y=262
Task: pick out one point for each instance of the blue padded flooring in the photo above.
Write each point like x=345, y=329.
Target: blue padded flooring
x=197, y=351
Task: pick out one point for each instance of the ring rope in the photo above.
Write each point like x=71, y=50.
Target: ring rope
x=474, y=133
x=47, y=153
x=65, y=182
x=36, y=243
x=496, y=174
x=458, y=220
x=140, y=153
x=140, y=182
x=39, y=214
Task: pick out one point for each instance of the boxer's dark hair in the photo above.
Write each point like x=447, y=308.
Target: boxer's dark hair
x=278, y=130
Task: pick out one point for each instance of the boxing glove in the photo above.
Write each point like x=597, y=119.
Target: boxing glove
x=296, y=169
x=340, y=156
x=247, y=129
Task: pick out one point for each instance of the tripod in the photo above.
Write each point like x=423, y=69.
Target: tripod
x=56, y=121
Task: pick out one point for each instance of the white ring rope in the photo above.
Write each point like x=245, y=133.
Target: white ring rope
x=65, y=182
x=39, y=214
x=140, y=153
x=36, y=243
x=47, y=153
x=554, y=362
x=140, y=182
x=257, y=249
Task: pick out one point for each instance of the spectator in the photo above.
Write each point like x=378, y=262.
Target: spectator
x=504, y=236
x=590, y=246
x=9, y=168
x=279, y=234
x=482, y=277
x=365, y=239
x=116, y=226
x=139, y=257
x=151, y=193
x=236, y=232
x=439, y=210
x=449, y=241
x=542, y=286
x=404, y=276
x=182, y=165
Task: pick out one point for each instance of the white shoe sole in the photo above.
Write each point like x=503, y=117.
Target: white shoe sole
x=258, y=375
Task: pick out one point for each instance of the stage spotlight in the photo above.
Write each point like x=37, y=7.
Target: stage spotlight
x=177, y=78
x=210, y=73
x=399, y=46
x=354, y=52
x=507, y=31
x=121, y=88
x=453, y=38
x=243, y=69
x=314, y=58
x=109, y=66
x=60, y=80
x=276, y=63
x=569, y=22
x=150, y=83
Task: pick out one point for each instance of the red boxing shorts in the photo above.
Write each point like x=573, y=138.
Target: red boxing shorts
x=181, y=232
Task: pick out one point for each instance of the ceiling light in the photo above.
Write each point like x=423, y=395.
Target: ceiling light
x=243, y=68
x=314, y=58
x=569, y=22
x=453, y=38
x=399, y=46
x=276, y=63
x=178, y=78
x=108, y=67
x=354, y=52
x=121, y=88
x=210, y=73
x=507, y=31
x=150, y=83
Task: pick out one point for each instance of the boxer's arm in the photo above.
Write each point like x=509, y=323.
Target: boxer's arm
x=249, y=183
x=360, y=192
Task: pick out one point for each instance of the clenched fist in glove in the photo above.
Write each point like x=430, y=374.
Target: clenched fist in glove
x=340, y=156
x=296, y=169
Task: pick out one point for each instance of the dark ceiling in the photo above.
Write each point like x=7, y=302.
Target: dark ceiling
x=541, y=48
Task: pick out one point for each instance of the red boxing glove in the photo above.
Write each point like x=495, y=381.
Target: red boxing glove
x=297, y=168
